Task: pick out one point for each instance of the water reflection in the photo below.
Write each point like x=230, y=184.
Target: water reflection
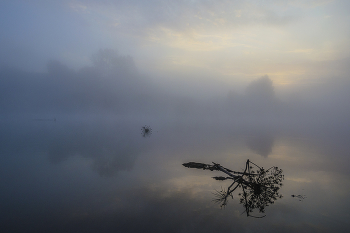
x=260, y=187
x=102, y=176
x=298, y=197
x=111, y=149
x=261, y=143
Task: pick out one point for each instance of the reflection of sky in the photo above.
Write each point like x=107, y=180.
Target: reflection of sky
x=154, y=191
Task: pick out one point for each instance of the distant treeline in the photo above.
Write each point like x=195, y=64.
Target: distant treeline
x=113, y=84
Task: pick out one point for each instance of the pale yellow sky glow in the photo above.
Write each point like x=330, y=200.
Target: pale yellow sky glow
x=234, y=40
x=226, y=41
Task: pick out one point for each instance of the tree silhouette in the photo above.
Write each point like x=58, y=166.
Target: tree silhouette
x=259, y=186
x=110, y=62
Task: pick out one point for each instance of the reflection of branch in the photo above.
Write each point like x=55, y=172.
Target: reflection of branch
x=299, y=196
x=248, y=209
x=260, y=187
x=223, y=195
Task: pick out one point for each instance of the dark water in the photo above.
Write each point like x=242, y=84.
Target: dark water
x=100, y=174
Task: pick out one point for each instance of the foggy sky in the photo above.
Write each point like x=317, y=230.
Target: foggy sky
x=222, y=45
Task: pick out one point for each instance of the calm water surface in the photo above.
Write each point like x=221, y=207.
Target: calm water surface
x=102, y=175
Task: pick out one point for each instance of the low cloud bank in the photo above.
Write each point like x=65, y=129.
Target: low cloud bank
x=113, y=85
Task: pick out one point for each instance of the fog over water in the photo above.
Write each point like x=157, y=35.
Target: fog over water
x=73, y=157
x=219, y=82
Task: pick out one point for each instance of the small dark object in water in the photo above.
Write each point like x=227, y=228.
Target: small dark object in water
x=300, y=197
x=146, y=131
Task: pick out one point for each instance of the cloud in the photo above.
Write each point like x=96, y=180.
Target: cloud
x=178, y=23
x=309, y=3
